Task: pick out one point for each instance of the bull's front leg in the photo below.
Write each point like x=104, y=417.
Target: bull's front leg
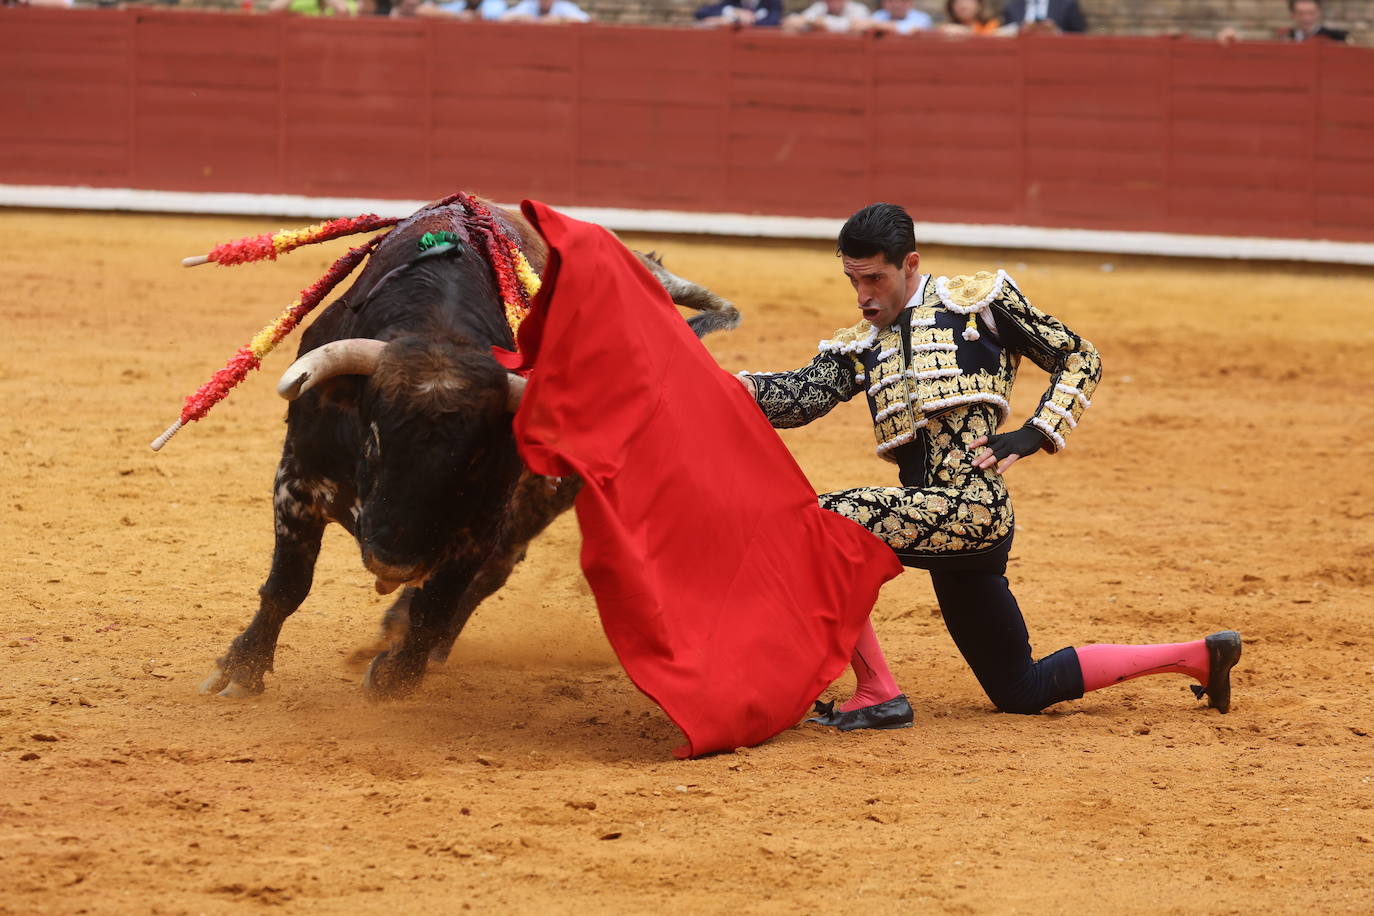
x=537, y=501
x=400, y=669
x=300, y=522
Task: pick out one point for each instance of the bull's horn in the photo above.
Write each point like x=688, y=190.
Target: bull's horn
x=355, y=356
x=515, y=391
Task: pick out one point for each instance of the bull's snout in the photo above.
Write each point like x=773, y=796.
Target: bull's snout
x=387, y=570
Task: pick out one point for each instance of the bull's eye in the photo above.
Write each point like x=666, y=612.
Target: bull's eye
x=372, y=448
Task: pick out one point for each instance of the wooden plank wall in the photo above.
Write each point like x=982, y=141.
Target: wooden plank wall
x=1093, y=132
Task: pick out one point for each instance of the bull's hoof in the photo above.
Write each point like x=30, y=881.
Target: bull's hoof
x=389, y=678
x=216, y=682
x=438, y=656
x=237, y=691
x=221, y=685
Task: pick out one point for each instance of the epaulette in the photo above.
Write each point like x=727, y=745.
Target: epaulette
x=969, y=294
x=851, y=340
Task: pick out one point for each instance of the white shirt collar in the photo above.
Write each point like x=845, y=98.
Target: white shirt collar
x=919, y=296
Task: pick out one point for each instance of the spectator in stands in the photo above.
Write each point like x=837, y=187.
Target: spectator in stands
x=1307, y=23
x=739, y=14
x=314, y=7
x=1054, y=16
x=489, y=10
x=829, y=16
x=967, y=17
x=899, y=17
x=546, y=11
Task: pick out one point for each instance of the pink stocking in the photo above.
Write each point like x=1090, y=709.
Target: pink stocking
x=1104, y=665
x=875, y=682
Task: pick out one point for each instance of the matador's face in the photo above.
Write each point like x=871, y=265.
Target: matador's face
x=882, y=288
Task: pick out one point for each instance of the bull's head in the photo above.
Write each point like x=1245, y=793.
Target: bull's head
x=437, y=458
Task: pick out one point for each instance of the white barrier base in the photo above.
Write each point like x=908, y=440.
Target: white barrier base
x=735, y=224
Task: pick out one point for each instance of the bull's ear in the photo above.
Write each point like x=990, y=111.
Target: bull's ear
x=342, y=391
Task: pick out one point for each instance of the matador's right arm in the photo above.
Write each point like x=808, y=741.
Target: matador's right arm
x=797, y=397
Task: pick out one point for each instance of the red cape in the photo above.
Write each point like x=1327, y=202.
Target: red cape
x=731, y=598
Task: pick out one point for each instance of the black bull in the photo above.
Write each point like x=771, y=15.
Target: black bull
x=400, y=431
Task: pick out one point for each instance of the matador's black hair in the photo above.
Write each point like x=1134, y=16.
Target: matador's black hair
x=878, y=229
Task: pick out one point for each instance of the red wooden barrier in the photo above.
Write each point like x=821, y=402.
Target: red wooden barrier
x=1105, y=133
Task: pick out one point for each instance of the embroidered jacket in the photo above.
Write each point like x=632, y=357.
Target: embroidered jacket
x=939, y=355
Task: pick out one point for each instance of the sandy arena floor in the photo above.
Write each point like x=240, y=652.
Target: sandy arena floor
x=1221, y=480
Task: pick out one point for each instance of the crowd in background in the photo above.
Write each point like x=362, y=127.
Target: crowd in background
x=962, y=17
x=546, y=11
x=900, y=17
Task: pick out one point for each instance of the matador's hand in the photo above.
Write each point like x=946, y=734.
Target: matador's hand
x=1004, y=449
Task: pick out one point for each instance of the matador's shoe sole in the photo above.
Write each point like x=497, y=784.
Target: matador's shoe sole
x=1223, y=651
x=894, y=713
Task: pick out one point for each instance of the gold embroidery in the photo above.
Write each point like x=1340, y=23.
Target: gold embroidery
x=846, y=340
x=966, y=291
x=967, y=509
x=964, y=508
x=796, y=398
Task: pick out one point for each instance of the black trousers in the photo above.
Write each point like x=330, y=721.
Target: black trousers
x=983, y=617
x=985, y=621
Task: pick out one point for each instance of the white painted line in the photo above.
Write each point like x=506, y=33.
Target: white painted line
x=736, y=224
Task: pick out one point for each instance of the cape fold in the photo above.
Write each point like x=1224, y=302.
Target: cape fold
x=730, y=597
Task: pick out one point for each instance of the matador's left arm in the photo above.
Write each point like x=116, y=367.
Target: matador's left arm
x=1072, y=362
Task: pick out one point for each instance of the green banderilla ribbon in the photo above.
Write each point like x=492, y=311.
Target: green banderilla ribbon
x=432, y=243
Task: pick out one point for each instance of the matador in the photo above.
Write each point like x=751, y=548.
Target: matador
x=936, y=358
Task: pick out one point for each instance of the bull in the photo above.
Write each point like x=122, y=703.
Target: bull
x=399, y=429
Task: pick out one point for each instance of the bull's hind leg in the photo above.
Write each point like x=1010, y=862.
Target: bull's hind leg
x=300, y=522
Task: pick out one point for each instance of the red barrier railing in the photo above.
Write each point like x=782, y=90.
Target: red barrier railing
x=1094, y=132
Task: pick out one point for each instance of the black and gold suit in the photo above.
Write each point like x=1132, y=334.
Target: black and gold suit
x=937, y=379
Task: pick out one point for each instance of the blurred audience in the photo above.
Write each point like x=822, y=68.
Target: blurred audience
x=546, y=11
x=1052, y=16
x=828, y=16
x=967, y=17
x=314, y=7
x=739, y=14
x=899, y=17
x=1307, y=25
x=489, y=10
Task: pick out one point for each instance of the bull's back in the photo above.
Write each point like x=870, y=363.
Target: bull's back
x=400, y=292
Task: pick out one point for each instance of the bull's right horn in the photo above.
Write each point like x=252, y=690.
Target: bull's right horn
x=515, y=391
x=354, y=356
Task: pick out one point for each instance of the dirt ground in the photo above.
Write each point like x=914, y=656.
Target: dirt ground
x=1220, y=480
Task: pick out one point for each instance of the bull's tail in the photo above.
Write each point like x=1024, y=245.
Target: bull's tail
x=716, y=314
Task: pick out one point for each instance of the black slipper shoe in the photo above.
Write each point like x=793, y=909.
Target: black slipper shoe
x=894, y=713
x=1223, y=651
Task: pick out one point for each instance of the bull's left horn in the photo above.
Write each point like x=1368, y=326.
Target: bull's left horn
x=515, y=391
x=354, y=356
